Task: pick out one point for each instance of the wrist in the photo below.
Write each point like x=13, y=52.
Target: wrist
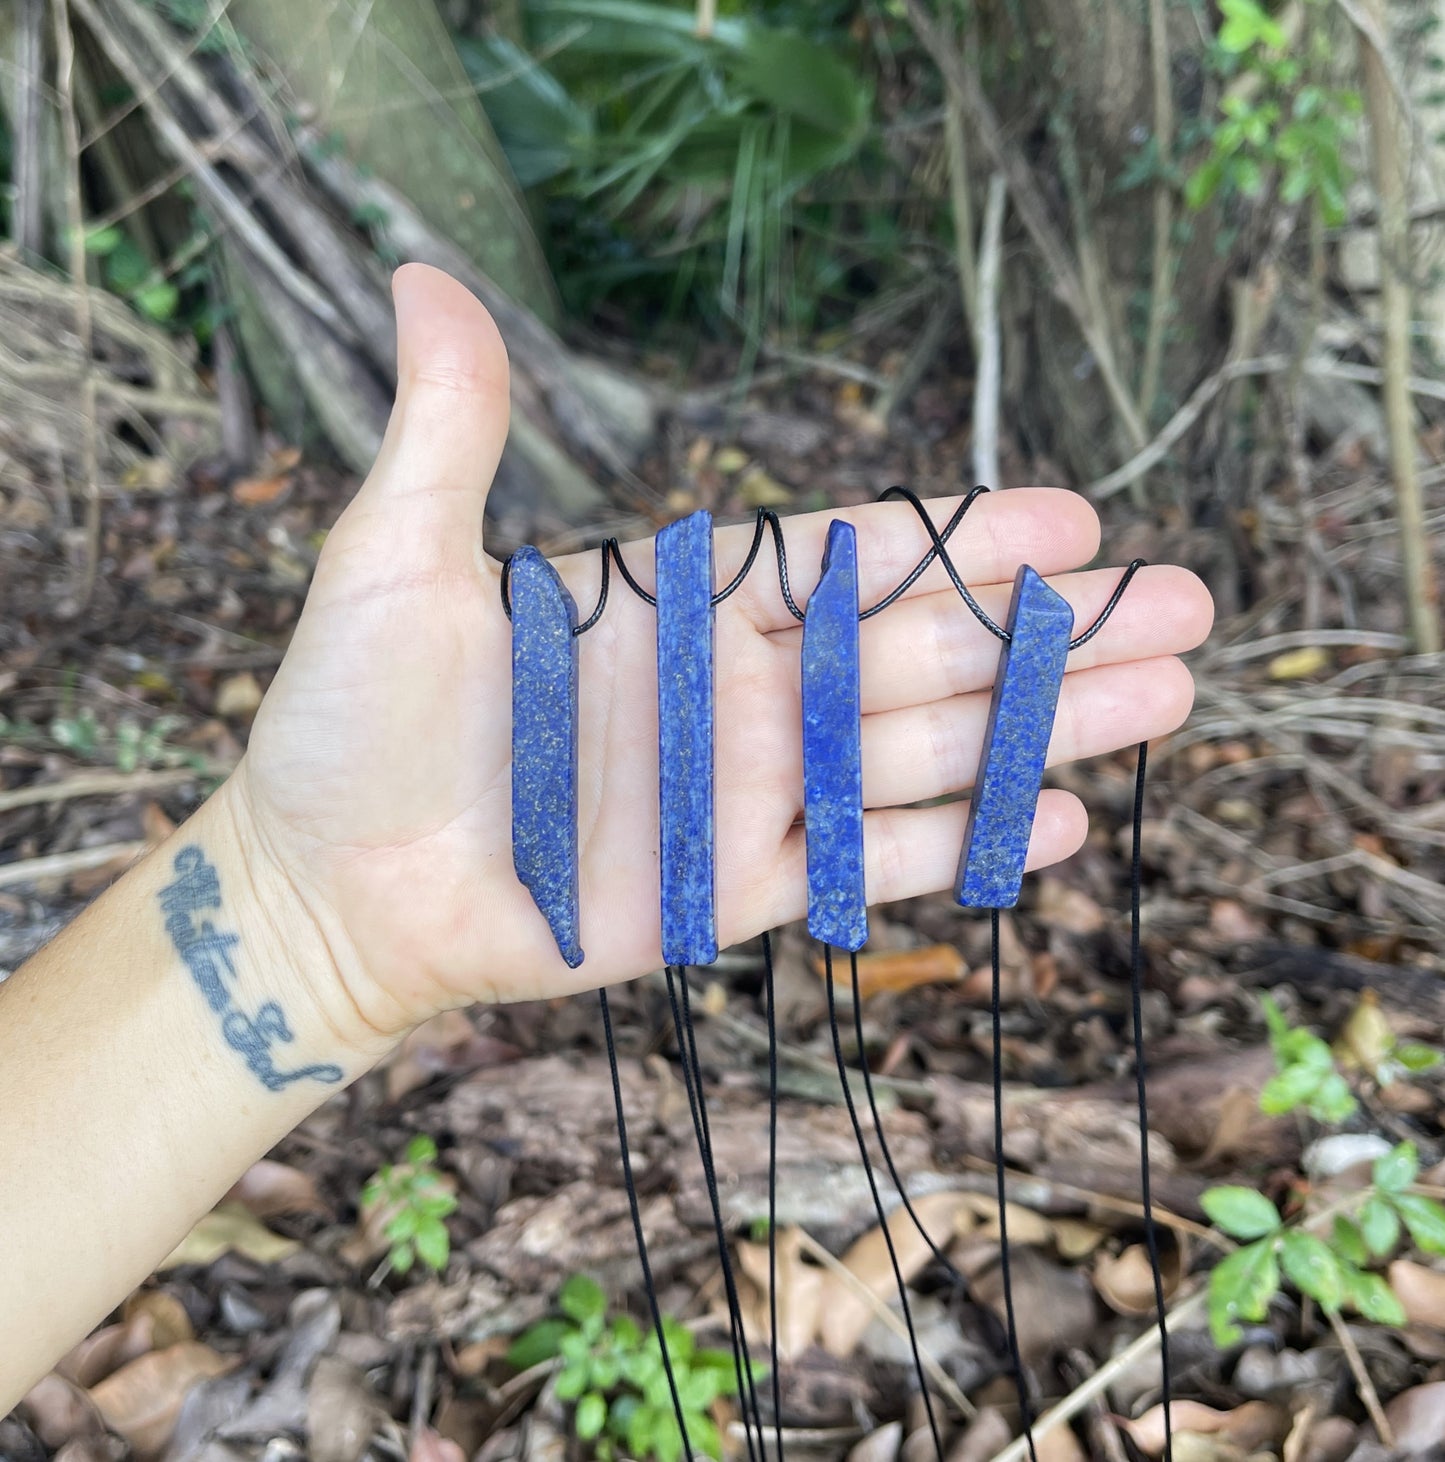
x=296, y=955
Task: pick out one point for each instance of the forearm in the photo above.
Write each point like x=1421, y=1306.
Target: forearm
x=165, y=1040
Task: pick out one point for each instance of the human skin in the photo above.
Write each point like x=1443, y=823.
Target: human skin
x=354, y=877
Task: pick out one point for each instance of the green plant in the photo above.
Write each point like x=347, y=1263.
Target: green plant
x=1283, y=122
x=413, y=1195
x=1307, y=1077
x=131, y=746
x=1330, y=1269
x=614, y=1375
x=678, y=163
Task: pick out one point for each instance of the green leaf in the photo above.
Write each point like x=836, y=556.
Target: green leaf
x=1204, y=183
x=1348, y=1241
x=606, y=1371
x=1416, y=1058
x=102, y=241
x=572, y=1381
x=1380, y=1225
x=640, y=1428
x=1373, y=1298
x=591, y=1415
x=582, y=1298
x=1240, y=1212
x=1425, y=1219
x=1333, y=1101
x=421, y=1150
x=1395, y=1170
x=542, y=1342
x=1240, y=1288
x=1289, y=1089
x=1274, y=1020
x=1313, y=1268
x=626, y=1333
x=402, y=1257
x=703, y=1436
x=433, y=1242
x=402, y=1224
x=158, y=302
x=666, y=1439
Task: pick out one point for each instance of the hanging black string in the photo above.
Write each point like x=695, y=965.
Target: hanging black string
x=960, y=1283
x=996, y=1009
x=877, y=1197
x=1136, y=992
x=647, y=1281
x=676, y=978
x=766, y=519
x=770, y=990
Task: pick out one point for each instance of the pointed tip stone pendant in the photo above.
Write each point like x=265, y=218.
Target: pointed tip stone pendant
x=685, y=689
x=833, y=749
x=1020, y=722
x=544, y=745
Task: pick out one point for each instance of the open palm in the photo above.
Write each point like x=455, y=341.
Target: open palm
x=378, y=776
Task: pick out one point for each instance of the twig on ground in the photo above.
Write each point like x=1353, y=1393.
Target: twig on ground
x=1363, y=1384
x=97, y=784
x=62, y=865
x=947, y=1386
x=1178, y=424
x=986, y=337
x=90, y=452
x=1102, y=1379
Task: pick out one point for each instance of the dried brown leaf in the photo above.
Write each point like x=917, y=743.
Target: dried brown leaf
x=800, y=1292
x=1062, y=906
x=238, y=697
x=1421, y=1290
x=60, y=1411
x=878, y=1446
x=230, y=1228
x=1125, y=1281
x=142, y=1400
x=845, y=1314
x=170, y=1324
x=892, y=970
x=109, y=1348
x=103, y=1448
x=1417, y=1417
x=447, y=1043
x=342, y=1413
x=268, y=1188
x=431, y=1447
x=983, y=1438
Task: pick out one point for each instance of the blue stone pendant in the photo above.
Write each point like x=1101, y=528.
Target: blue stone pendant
x=1020, y=722
x=833, y=749
x=544, y=744
x=685, y=740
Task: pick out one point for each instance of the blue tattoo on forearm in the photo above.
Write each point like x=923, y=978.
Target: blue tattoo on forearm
x=208, y=956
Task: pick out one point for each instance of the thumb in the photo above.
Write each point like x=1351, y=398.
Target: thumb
x=449, y=423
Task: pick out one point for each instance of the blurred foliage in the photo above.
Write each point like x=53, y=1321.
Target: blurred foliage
x=688, y=175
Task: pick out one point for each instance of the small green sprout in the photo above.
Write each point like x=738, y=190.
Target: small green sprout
x=413, y=1194
x=613, y=1373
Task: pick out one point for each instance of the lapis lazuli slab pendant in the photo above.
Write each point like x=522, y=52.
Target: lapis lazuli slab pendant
x=833, y=749
x=1020, y=722
x=685, y=740
x=544, y=744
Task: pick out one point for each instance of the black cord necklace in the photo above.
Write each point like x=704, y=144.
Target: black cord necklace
x=545, y=673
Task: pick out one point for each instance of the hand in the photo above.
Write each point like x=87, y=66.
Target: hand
x=377, y=780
